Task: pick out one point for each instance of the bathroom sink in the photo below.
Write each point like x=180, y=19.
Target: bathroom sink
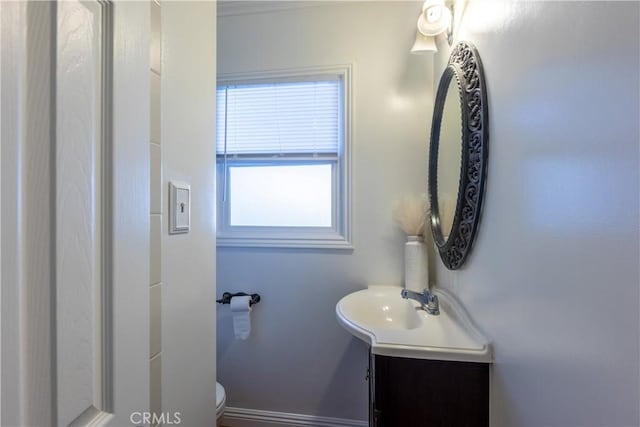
x=394, y=326
x=379, y=308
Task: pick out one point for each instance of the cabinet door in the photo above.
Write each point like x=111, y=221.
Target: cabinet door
x=430, y=393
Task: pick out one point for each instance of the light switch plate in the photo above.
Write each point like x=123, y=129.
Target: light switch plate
x=179, y=207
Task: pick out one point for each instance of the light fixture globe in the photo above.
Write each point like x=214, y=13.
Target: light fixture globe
x=435, y=18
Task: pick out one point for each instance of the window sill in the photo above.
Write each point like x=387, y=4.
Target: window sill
x=332, y=241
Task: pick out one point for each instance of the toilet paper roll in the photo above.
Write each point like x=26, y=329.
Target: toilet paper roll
x=241, y=310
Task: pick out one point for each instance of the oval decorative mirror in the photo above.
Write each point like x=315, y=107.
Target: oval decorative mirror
x=458, y=155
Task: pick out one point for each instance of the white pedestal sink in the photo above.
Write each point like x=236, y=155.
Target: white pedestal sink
x=393, y=326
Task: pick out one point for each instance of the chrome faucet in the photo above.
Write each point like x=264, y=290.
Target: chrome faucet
x=427, y=299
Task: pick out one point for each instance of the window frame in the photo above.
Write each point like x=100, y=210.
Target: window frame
x=339, y=235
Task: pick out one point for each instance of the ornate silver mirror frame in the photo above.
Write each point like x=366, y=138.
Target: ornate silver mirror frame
x=465, y=66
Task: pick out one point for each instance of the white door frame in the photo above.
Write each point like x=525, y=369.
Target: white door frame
x=28, y=320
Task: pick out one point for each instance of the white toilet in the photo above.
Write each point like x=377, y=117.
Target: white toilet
x=221, y=402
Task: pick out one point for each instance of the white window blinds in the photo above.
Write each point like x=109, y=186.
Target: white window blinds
x=279, y=118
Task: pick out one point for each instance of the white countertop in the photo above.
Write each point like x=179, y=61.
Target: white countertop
x=396, y=327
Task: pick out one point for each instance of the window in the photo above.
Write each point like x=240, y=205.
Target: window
x=282, y=146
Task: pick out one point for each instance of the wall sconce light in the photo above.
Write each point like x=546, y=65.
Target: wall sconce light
x=436, y=18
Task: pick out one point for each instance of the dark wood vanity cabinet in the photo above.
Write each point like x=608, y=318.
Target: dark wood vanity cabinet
x=427, y=393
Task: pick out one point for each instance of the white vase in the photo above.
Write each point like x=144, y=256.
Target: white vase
x=416, y=271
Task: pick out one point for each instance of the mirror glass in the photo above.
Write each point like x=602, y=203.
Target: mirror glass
x=449, y=157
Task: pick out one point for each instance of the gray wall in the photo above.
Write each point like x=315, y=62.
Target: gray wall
x=553, y=277
x=298, y=359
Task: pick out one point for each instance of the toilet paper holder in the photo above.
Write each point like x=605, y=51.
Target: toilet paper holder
x=226, y=297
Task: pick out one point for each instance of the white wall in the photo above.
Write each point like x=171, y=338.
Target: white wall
x=298, y=359
x=188, y=260
x=553, y=277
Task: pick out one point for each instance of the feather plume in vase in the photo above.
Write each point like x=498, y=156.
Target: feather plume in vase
x=410, y=213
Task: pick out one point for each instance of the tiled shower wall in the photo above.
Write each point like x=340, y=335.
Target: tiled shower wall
x=155, y=209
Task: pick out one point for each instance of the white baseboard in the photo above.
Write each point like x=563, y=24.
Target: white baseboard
x=241, y=417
